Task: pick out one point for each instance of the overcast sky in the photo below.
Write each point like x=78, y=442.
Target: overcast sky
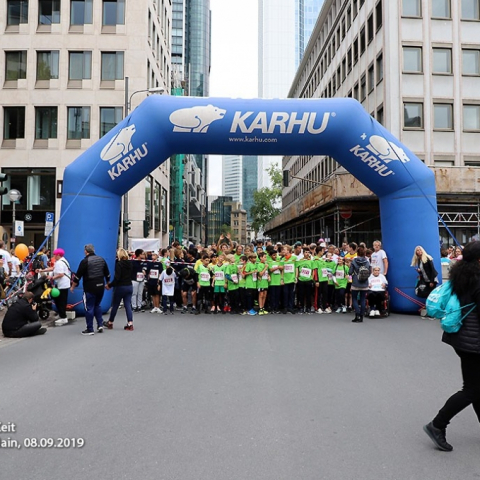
x=234, y=71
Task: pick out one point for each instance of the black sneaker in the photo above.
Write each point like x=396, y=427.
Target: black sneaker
x=88, y=332
x=100, y=330
x=184, y=310
x=437, y=436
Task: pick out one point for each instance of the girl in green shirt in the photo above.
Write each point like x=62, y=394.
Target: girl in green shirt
x=305, y=269
x=262, y=282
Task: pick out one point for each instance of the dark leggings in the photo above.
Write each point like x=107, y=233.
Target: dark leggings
x=322, y=300
x=304, y=294
x=468, y=395
x=28, y=330
x=61, y=302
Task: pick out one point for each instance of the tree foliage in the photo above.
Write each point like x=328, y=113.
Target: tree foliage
x=266, y=201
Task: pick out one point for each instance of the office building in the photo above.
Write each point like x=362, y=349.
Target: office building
x=284, y=28
x=62, y=87
x=415, y=67
x=249, y=183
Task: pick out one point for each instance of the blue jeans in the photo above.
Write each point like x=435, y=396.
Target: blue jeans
x=123, y=292
x=164, y=302
x=91, y=301
x=359, y=309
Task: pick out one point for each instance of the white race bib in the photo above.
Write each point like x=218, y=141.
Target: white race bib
x=140, y=277
x=234, y=278
x=305, y=272
x=168, y=280
x=205, y=277
x=254, y=276
x=265, y=275
x=289, y=268
x=324, y=272
x=376, y=285
x=220, y=276
x=154, y=274
x=340, y=273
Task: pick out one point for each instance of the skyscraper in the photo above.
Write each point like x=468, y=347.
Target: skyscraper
x=284, y=28
x=232, y=177
x=249, y=182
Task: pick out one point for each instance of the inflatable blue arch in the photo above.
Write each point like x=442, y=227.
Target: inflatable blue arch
x=162, y=126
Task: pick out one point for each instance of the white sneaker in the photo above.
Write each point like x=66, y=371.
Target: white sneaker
x=154, y=310
x=372, y=313
x=319, y=310
x=338, y=310
x=344, y=310
x=377, y=313
x=328, y=310
x=61, y=321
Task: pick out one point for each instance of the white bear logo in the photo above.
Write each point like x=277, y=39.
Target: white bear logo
x=386, y=150
x=196, y=119
x=119, y=145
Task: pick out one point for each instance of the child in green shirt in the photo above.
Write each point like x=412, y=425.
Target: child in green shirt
x=250, y=274
x=305, y=269
x=204, y=295
x=219, y=284
x=262, y=282
x=276, y=282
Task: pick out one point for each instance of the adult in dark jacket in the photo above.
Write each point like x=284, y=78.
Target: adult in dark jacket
x=93, y=269
x=427, y=274
x=359, y=286
x=465, y=280
x=21, y=319
x=122, y=289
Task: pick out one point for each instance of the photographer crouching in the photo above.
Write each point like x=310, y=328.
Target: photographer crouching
x=21, y=319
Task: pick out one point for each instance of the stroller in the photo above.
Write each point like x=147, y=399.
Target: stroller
x=41, y=289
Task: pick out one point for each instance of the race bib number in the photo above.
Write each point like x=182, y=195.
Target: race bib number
x=340, y=274
x=140, y=277
x=168, y=280
x=234, y=278
x=154, y=274
x=305, y=272
x=254, y=276
x=219, y=276
x=289, y=268
x=265, y=275
x=276, y=272
x=376, y=285
x=205, y=277
x=324, y=272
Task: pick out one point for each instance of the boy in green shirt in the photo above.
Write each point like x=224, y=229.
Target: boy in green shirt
x=231, y=274
x=289, y=278
x=219, y=284
x=250, y=274
x=305, y=269
x=262, y=282
x=204, y=289
x=276, y=282
x=340, y=275
x=242, y=297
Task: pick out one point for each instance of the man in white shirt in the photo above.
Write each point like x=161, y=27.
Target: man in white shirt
x=379, y=258
x=7, y=260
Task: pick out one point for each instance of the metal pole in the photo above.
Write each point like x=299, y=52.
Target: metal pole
x=13, y=239
x=188, y=209
x=125, y=197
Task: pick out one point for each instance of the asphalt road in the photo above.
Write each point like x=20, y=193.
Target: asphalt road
x=223, y=397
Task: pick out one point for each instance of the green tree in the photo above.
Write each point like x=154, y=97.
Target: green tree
x=266, y=201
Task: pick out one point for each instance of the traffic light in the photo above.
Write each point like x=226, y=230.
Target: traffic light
x=286, y=178
x=146, y=228
x=126, y=226
x=3, y=178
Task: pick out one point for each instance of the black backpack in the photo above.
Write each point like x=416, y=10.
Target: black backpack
x=37, y=264
x=363, y=273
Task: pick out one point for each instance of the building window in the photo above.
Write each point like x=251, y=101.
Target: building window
x=443, y=116
x=379, y=68
x=371, y=78
x=380, y=115
x=379, y=15
x=17, y=12
x=81, y=12
x=16, y=65
x=471, y=117
x=112, y=66
x=14, y=122
x=471, y=62
x=80, y=65
x=109, y=117
x=45, y=122
x=413, y=115
x=78, y=123
x=412, y=60
x=47, y=65
x=441, y=9
x=363, y=88
x=362, y=41
x=470, y=9
x=48, y=12
x=411, y=8
x=113, y=12
x=371, y=33
x=442, y=60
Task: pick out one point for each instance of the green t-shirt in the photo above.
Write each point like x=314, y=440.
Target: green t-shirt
x=204, y=277
x=289, y=270
x=262, y=281
x=330, y=265
x=275, y=274
x=305, y=270
x=241, y=278
x=251, y=280
x=232, y=271
x=219, y=275
x=341, y=276
x=322, y=269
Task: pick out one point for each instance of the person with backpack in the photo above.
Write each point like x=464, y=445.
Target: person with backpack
x=360, y=271
x=465, y=283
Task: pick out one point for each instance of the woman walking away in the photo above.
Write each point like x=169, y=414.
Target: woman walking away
x=360, y=270
x=123, y=289
x=465, y=281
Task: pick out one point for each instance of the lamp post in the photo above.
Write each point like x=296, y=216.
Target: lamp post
x=14, y=196
x=128, y=105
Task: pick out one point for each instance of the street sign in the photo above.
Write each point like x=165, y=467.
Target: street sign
x=49, y=217
x=19, y=231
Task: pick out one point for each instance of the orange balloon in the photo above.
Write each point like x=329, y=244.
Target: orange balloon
x=21, y=251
